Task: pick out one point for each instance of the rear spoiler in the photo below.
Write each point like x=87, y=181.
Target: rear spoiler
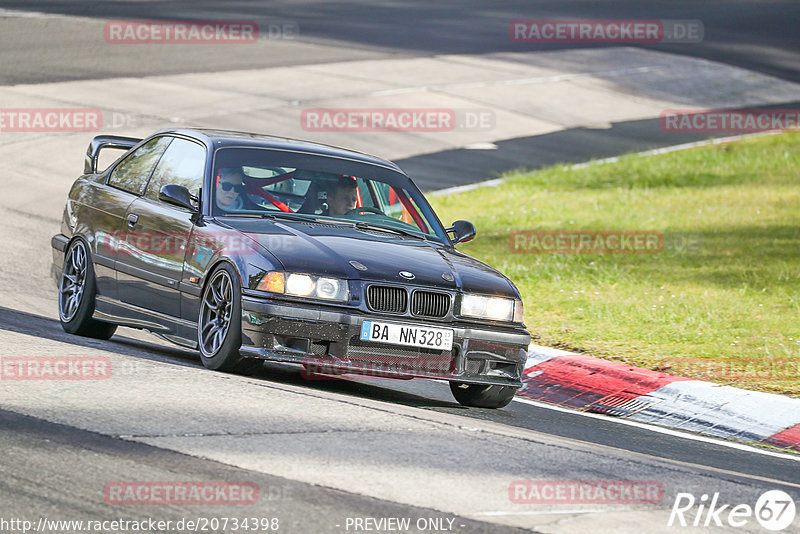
x=105, y=141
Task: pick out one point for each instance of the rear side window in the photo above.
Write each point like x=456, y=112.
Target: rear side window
x=183, y=163
x=133, y=172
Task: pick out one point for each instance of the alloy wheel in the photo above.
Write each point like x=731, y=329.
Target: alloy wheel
x=215, y=312
x=73, y=282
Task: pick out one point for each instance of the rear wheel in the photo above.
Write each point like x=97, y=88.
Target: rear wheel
x=219, y=328
x=76, y=295
x=482, y=396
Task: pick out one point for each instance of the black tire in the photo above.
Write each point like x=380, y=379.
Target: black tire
x=219, y=325
x=482, y=396
x=76, y=295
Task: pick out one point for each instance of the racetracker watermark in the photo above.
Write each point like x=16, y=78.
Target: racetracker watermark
x=774, y=510
x=378, y=369
x=64, y=120
x=181, y=493
x=50, y=120
x=396, y=120
x=586, y=242
x=586, y=492
x=759, y=369
x=176, y=244
x=728, y=121
x=197, y=31
x=605, y=31
x=55, y=368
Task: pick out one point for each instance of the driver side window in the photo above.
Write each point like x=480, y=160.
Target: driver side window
x=184, y=164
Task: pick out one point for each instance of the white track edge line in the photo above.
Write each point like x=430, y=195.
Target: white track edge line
x=662, y=430
x=494, y=182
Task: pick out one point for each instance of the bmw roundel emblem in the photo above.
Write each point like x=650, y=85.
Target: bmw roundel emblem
x=407, y=275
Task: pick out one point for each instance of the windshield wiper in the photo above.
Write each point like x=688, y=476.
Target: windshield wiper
x=242, y=214
x=273, y=215
x=361, y=225
x=289, y=216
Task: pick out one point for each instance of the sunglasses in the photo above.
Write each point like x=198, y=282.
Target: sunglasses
x=227, y=186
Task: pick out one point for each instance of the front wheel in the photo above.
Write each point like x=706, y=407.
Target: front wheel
x=219, y=327
x=482, y=396
x=76, y=295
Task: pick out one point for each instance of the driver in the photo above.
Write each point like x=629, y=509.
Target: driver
x=229, y=189
x=343, y=196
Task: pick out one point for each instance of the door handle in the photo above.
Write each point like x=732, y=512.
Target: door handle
x=132, y=219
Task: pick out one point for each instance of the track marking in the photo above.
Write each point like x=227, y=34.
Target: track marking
x=494, y=182
x=675, y=148
x=669, y=432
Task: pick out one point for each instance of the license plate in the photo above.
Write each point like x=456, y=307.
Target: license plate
x=408, y=335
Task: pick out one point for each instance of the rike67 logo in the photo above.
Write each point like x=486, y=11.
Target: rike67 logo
x=774, y=510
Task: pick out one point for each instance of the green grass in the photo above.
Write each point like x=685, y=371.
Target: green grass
x=720, y=302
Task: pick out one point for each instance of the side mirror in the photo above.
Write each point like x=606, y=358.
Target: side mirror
x=177, y=195
x=463, y=231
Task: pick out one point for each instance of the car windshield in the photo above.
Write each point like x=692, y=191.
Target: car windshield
x=265, y=182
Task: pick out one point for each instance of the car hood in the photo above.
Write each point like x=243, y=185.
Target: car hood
x=336, y=250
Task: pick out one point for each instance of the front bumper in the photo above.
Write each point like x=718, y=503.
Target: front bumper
x=327, y=342
x=59, y=244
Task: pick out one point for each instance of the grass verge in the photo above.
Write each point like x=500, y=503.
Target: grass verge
x=719, y=302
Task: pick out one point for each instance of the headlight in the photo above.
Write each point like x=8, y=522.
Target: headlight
x=305, y=285
x=494, y=308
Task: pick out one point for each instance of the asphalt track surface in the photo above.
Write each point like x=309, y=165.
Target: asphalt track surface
x=435, y=396
x=77, y=463
x=758, y=35
x=56, y=470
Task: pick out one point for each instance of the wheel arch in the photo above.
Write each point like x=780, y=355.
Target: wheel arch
x=212, y=268
x=87, y=245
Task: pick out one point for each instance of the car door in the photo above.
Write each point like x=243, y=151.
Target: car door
x=157, y=232
x=109, y=202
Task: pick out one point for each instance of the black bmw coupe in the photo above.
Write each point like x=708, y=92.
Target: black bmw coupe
x=249, y=247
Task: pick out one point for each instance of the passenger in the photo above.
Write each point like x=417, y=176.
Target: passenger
x=342, y=198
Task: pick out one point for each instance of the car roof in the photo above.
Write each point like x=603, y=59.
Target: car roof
x=222, y=138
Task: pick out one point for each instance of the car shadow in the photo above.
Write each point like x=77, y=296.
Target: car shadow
x=353, y=385
x=48, y=328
